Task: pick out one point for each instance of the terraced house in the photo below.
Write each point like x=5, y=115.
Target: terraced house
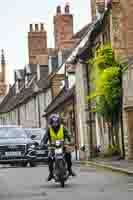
x=106, y=27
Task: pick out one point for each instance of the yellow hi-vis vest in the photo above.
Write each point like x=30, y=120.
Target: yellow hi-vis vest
x=56, y=136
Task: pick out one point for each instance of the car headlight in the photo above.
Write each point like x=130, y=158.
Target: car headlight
x=32, y=146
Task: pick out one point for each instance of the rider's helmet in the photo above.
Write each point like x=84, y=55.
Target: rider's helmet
x=54, y=120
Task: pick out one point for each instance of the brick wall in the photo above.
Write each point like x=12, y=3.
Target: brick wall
x=122, y=42
x=37, y=42
x=56, y=84
x=63, y=28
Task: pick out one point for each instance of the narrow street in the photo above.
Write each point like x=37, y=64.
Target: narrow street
x=30, y=184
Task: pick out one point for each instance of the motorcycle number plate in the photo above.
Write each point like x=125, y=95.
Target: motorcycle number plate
x=58, y=151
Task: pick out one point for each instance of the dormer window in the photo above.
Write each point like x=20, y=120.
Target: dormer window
x=28, y=70
x=38, y=72
x=50, y=64
x=17, y=86
x=26, y=80
x=60, y=60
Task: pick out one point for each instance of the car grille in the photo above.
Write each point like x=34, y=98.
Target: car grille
x=6, y=148
x=12, y=158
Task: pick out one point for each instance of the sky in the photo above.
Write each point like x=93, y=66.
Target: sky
x=15, y=17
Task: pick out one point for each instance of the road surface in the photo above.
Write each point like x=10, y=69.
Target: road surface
x=90, y=184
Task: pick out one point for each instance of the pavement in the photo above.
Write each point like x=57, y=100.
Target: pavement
x=123, y=166
x=90, y=183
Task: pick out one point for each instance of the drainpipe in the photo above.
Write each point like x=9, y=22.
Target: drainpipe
x=121, y=116
x=89, y=109
x=39, y=112
x=18, y=116
x=75, y=127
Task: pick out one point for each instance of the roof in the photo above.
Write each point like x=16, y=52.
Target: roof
x=44, y=71
x=43, y=83
x=19, y=74
x=63, y=96
x=81, y=32
x=82, y=50
x=13, y=101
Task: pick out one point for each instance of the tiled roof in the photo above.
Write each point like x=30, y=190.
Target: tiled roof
x=43, y=83
x=44, y=71
x=81, y=32
x=15, y=100
x=12, y=100
x=19, y=74
x=60, y=99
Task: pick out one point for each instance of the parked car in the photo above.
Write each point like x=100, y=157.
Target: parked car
x=14, y=146
x=37, y=134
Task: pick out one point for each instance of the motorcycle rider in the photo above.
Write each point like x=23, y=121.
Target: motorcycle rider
x=57, y=131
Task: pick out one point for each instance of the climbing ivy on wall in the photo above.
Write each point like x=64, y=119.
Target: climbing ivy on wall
x=106, y=72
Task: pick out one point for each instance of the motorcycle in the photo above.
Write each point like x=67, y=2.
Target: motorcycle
x=60, y=171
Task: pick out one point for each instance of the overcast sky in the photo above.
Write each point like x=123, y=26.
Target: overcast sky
x=15, y=17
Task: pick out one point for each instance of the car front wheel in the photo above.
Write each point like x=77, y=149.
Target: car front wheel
x=24, y=164
x=32, y=164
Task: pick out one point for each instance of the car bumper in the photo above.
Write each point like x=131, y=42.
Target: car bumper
x=41, y=159
x=15, y=160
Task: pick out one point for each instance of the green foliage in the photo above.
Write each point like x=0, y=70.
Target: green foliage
x=104, y=57
x=111, y=150
x=107, y=92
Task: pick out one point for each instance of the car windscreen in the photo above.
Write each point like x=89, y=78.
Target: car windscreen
x=38, y=133
x=9, y=132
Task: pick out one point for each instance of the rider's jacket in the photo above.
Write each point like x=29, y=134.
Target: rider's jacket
x=60, y=134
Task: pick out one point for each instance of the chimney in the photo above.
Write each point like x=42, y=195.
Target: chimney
x=36, y=27
x=63, y=29
x=93, y=9
x=67, y=9
x=37, y=43
x=100, y=5
x=3, y=66
x=42, y=27
x=31, y=27
x=58, y=10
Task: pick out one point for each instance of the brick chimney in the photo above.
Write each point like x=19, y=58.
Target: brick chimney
x=37, y=42
x=121, y=20
x=63, y=28
x=93, y=9
x=100, y=5
x=3, y=67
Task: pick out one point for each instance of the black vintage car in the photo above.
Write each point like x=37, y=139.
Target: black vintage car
x=37, y=135
x=14, y=146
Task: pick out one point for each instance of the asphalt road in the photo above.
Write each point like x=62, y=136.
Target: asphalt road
x=90, y=184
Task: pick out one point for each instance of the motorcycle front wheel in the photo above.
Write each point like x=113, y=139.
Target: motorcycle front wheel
x=62, y=184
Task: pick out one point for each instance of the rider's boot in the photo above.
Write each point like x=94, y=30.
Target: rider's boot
x=50, y=177
x=71, y=173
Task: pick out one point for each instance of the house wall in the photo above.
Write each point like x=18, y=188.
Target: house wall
x=82, y=113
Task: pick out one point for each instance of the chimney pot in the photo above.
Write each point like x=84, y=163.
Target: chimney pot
x=42, y=27
x=100, y=5
x=58, y=10
x=31, y=27
x=36, y=27
x=67, y=9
